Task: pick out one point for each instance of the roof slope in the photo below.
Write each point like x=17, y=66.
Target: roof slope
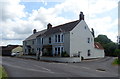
x=33, y=36
x=62, y=28
x=98, y=45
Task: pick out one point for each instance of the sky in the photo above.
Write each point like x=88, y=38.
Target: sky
x=18, y=18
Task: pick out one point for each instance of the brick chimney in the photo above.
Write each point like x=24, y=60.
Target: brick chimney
x=49, y=26
x=81, y=16
x=34, y=31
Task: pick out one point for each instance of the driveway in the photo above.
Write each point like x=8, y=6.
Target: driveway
x=18, y=67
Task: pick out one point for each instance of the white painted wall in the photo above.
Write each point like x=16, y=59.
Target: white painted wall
x=30, y=43
x=99, y=53
x=79, y=40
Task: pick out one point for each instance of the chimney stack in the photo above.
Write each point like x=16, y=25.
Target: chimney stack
x=34, y=31
x=49, y=26
x=81, y=16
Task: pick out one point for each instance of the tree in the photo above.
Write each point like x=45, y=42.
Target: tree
x=103, y=39
x=110, y=48
x=117, y=52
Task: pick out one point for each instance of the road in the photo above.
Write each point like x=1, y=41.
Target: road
x=18, y=67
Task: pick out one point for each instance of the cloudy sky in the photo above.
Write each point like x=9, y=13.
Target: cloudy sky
x=19, y=17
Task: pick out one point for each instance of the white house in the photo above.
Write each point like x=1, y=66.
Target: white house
x=73, y=38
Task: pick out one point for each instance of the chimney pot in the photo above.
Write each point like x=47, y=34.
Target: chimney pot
x=34, y=31
x=81, y=16
x=49, y=26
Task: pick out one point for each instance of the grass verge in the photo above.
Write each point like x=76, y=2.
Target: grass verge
x=116, y=62
x=3, y=74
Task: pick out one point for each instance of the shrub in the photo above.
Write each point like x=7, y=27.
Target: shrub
x=117, y=52
x=64, y=54
x=116, y=62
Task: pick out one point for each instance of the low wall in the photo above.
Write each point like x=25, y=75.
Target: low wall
x=62, y=59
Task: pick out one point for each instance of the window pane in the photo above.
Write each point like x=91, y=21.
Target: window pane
x=89, y=53
x=55, y=38
x=42, y=40
x=62, y=38
x=55, y=51
x=58, y=50
x=58, y=38
x=88, y=40
x=61, y=49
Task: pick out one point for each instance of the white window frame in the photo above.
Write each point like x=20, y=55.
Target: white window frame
x=57, y=49
x=57, y=40
x=42, y=41
x=62, y=38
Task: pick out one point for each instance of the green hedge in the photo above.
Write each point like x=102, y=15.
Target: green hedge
x=3, y=74
x=116, y=62
x=64, y=54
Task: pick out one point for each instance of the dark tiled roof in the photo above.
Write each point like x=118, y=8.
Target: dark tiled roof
x=98, y=45
x=62, y=28
x=33, y=36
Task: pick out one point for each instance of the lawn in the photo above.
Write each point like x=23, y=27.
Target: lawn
x=116, y=62
x=3, y=74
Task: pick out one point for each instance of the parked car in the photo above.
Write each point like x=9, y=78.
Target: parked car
x=15, y=54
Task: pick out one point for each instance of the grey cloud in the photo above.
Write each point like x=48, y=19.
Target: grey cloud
x=25, y=29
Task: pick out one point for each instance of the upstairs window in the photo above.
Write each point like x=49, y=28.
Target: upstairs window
x=58, y=38
x=88, y=40
x=49, y=40
x=85, y=27
x=55, y=38
x=62, y=38
x=42, y=40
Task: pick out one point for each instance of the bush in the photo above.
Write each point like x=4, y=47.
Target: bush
x=117, y=52
x=64, y=54
x=3, y=74
x=116, y=62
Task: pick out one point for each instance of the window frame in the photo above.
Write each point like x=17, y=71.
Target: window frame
x=89, y=54
x=88, y=40
x=42, y=41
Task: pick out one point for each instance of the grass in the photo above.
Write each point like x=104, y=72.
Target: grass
x=116, y=62
x=3, y=74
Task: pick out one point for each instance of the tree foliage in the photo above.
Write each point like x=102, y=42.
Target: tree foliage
x=103, y=39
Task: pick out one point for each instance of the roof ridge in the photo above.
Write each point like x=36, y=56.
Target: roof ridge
x=65, y=23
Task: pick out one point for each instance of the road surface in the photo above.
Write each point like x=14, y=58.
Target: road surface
x=18, y=67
